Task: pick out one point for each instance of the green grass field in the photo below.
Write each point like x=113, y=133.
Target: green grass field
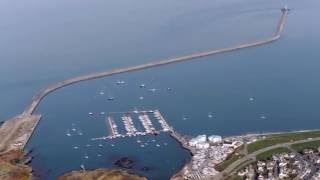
x=268, y=154
x=307, y=145
x=281, y=138
x=226, y=163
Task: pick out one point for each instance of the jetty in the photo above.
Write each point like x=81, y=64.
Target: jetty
x=183, y=141
x=7, y=139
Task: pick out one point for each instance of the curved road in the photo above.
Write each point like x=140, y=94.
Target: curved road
x=38, y=97
x=253, y=155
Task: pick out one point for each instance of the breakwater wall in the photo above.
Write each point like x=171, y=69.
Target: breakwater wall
x=44, y=92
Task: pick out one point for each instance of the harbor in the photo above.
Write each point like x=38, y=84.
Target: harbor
x=37, y=98
x=261, y=90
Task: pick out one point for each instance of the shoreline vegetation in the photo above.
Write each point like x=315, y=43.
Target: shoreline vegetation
x=101, y=174
x=13, y=166
x=274, y=139
x=308, y=145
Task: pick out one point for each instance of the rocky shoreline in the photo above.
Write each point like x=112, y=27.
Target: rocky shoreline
x=13, y=166
x=101, y=174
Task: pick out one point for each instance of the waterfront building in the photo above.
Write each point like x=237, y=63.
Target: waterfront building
x=197, y=140
x=215, y=139
x=202, y=145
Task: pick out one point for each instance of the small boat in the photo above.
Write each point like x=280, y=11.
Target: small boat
x=102, y=113
x=158, y=145
x=68, y=133
x=112, y=145
x=110, y=98
x=120, y=82
x=73, y=129
x=100, y=145
x=86, y=157
x=142, y=85
x=90, y=113
x=152, y=90
x=80, y=133
x=101, y=93
x=210, y=115
x=141, y=145
x=251, y=99
x=99, y=155
x=75, y=147
x=141, y=97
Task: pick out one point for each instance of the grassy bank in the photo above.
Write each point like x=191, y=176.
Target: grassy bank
x=268, y=154
x=220, y=167
x=308, y=145
x=281, y=138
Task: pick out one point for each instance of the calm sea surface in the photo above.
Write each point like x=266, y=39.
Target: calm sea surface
x=269, y=88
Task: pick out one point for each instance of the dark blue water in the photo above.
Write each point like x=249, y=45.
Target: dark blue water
x=46, y=41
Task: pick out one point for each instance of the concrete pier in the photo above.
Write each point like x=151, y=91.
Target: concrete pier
x=183, y=141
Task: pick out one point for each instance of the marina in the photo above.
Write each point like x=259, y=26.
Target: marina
x=130, y=124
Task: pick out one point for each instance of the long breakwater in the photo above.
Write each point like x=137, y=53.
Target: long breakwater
x=44, y=92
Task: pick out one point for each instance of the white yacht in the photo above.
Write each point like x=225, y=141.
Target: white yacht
x=68, y=133
x=110, y=98
x=153, y=90
x=142, y=85
x=120, y=82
